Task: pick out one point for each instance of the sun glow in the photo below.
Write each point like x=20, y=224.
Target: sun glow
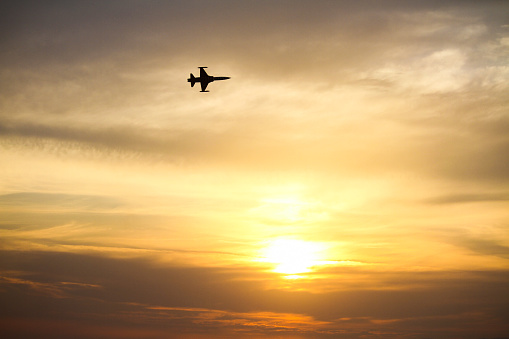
x=292, y=256
x=287, y=209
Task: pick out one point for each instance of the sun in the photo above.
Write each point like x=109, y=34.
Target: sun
x=292, y=256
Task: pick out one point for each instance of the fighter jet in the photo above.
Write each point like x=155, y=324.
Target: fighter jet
x=204, y=79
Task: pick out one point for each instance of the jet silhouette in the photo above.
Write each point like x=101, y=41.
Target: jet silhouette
x=204, y=79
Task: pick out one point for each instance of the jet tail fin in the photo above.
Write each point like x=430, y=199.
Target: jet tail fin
x=192, y=79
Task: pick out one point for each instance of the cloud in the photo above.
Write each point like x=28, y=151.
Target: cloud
x=470, y=198
x=219, y=298
x=118, y=71
x=485, y=247
x=143, y=187
x=64, y=201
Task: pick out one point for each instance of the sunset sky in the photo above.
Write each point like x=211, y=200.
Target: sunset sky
x=351, y=179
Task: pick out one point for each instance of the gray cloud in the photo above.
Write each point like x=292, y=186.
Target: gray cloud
x=438, y=299
x=487, y=247
x=484, y=246
x=77, y=32
x=470, y=198
x=65, y=201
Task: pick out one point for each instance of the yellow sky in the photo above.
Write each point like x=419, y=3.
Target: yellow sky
x=350, y=180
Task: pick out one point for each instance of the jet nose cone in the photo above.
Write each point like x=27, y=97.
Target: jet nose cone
x=221, y=78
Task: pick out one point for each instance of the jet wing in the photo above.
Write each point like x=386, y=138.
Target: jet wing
x=204, y=85
x=203, y=74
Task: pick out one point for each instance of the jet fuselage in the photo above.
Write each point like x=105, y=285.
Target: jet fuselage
x=204, y=79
